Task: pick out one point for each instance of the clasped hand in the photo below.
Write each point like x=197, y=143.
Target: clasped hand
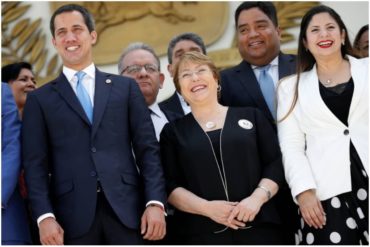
x=234, y=214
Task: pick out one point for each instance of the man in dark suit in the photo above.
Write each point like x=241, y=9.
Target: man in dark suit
x=259, y=45
x=140, y=62
x=177, y=47
x=79, y=135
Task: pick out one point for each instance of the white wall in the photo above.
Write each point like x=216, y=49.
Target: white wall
x=355, y=14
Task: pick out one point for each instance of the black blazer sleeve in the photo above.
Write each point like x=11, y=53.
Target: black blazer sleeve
x=172, y=170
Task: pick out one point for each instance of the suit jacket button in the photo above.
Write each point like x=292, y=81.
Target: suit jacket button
x=93, y=149
x=92, y=173
x=346, y=132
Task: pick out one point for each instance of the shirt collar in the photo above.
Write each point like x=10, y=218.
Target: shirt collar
x=182, y=100
x=70, y=73
x=274, y=62
x=155, y=109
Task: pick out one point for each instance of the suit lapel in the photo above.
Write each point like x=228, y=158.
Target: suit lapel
x=103, y=87
x=175, y=102
x=312, y=102
x=249, y=83
x=63, y=87
x=287, y=65
x=170, y=115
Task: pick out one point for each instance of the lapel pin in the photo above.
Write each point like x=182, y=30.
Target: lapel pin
x=245, y=124
x=108, y=81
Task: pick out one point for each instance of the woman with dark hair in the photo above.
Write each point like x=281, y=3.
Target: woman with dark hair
x=323, y=133
x=222, y=165
x=21, y=80
x=361, y=42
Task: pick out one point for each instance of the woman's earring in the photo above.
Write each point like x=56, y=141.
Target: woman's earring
x=343, y=42
x=219, y=88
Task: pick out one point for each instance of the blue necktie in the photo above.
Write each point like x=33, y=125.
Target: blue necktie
x=83, y=96
x=267, y=88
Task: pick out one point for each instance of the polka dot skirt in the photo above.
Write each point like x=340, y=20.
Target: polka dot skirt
x=347, y=221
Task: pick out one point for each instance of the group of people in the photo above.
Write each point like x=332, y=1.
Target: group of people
x=229, y=158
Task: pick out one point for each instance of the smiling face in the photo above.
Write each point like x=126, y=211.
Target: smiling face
x=73, y=40
x=149, y=80
x=197, y=82
x=323, y=36
x=258, y=38
x=24, y=84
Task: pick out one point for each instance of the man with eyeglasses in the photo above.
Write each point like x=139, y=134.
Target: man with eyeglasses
x=140, y=62
x=177, y=47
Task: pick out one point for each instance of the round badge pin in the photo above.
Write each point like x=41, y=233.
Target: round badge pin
x=108, y=81
x=245, y=124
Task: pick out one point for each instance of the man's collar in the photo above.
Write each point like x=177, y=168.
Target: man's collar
x=70, y=73
x=274, y=62
x=155, y=109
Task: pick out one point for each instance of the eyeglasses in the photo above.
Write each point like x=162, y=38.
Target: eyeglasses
x=189, y=74
x=134, y=69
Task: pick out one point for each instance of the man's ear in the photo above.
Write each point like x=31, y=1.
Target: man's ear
x=278, y=30
x=161, y=80
x=94, y=37
x=170, y=68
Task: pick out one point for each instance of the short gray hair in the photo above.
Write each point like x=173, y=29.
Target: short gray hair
x=133, y=47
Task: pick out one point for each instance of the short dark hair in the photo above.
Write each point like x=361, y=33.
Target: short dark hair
x=268, y=8
x=184, y=36
x=11, y=72
x=88, y=18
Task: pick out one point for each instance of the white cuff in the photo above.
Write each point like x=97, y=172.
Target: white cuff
x=44, y=216
x=157, y=203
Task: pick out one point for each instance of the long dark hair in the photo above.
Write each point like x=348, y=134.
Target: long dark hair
x=305, y=60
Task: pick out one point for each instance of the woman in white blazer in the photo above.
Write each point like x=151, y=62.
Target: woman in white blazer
x=323, y=133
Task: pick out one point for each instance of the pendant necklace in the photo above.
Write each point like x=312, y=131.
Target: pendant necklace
x=210, y=125
x=328, y=82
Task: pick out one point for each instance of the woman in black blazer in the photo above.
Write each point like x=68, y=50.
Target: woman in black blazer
x=222, y=165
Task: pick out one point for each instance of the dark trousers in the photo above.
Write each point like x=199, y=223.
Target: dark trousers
x=107, y=228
